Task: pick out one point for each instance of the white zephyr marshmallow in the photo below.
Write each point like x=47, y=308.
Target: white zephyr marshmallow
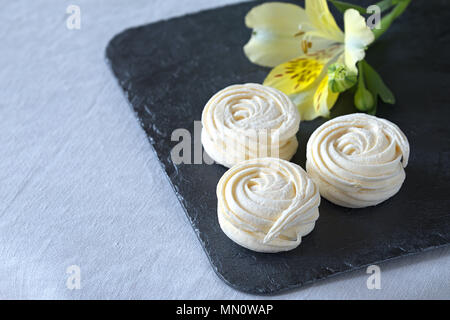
x=248, y=121
x=357, y=160
x=267, y=204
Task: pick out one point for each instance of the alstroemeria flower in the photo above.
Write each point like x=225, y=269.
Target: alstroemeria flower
x=309, y=40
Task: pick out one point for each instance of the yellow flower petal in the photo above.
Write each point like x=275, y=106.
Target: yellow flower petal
x=315, y=101
x=324, y=98
x=305, y=103
x=357, y=37
x=275, y=36
x=295, y=75
x=322, y=21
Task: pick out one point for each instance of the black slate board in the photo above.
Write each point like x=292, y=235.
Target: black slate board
x=170, y=69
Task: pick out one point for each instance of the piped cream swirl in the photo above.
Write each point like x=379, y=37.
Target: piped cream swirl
x=357, y=160
x=267, y=204
x=249, y=121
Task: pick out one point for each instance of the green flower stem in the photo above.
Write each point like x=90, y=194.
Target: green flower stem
x=387, y=20
x=383, y=4
x=363, y=99
x=387, y=4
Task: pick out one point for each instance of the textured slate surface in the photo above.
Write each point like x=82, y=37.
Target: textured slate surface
x=169, y=70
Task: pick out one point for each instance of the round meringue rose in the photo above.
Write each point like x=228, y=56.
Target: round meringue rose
x=248, y=121
x=357, y=160
x=267, y=204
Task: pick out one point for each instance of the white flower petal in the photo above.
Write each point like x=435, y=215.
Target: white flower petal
x=274, y=38
x=357, y=37
x=267, y=50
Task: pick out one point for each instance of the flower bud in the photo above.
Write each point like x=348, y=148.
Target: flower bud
x=363, y=99
x=340, y=78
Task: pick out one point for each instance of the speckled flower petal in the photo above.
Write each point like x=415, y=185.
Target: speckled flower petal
x=295, y=75
x=324, y=98
x=316, y=101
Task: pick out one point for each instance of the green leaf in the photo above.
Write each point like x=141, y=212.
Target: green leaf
x=342, y=6
x=376, y=85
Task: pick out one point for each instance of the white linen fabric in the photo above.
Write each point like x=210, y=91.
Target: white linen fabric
x=80, y=184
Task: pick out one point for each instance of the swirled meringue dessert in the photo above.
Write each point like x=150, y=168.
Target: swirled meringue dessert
x=357, y=160
x=248, y=121
x=267, y=204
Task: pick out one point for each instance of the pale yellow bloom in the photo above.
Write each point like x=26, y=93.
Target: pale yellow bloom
x=301, y=44
x=357, y=37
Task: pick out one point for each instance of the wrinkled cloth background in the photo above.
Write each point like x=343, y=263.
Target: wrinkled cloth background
x=80, y=185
